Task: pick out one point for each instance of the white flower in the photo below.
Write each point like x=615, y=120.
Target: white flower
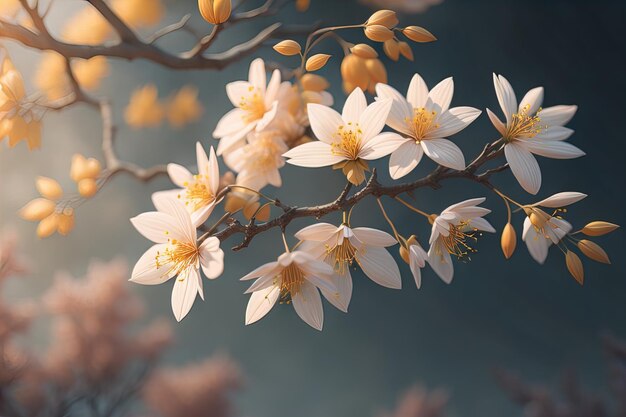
x=176, y=254
x=255, y=106
x=349, y=139
x=529, y=130
x=341, y=247
x=542, y=229
x=450, y=234
x=294, y=277
x=416, y=257
x=259, y=161
x=198, y=192
x=425, y=119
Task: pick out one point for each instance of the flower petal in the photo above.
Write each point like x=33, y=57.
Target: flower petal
x=230, y=123
x=265, y=269
x=562, y=199
x=308, y=304
x=354, y=106
x=324, y=121
x=341, y=297
x=417, y=260
x=184, y=292
x=261, y=303
x=146, y=271
x=256, y=74
x=440, y=261
x=497, y=123
x=455, y=120
x=417, y=94
x=554, y=133
x=444, y=152
x=440, y=97
x=400, y=109
x=272, y=88
x=557, y=115
x=552, y=149
x=506, y=97
x=211, y=258
x=381, y=145
x=373, y=118
x=380, y=267
x=179, y=175
x=533, y=99
x=317, y=232
x=158, y=227
x=373, y=237
x=176, y=209
x=312, y=155
x=238, y=91
x=536, y=243
x=404, y=159
x=524, y=167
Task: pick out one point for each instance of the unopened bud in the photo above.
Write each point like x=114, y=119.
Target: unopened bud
x=599, y=228
x=405, y=50
x=365, y=51
x=508, y=241
x=48, y=225
x=48, y=188
x=87, y=187
x=316, y=62
x=593, y=251
x=378, y=33
x=314, y=82
x=418, y=34
x=215, y=11
x=37, y=209
x=386, y=18
x=392, y=49
x=575, y=266
x=288, y=47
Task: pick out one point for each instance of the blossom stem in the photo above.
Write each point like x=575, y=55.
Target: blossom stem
x=285, y=242
x=253, y=191
x=395, y=232
x=410, y=207
x=214, y=227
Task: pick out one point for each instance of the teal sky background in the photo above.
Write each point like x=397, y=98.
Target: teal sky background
x=513, y=314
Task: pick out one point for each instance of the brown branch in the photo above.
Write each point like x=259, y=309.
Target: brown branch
x=125, y=33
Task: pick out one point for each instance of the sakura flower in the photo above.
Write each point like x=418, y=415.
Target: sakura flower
x=295, y=277
x=176, y=253
x=255, y=106
x=259, y=161
x=425, y=120
x=198, y=191
x=341, y=246
x=416, y=257
x=542, y=229
x=530, y=130
x=451, y=232
x=347, y=140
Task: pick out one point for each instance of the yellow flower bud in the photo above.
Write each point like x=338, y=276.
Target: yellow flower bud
x=377, y=71
x=392, y=49
x=316, y=62
x=363, y=50
x=288, y=47
x=92, y=168
x=302, y=5
x=354, y=72
x=48, y=225
x=404, y=254
x=314, y=82
x=386, y=18
x=378, y=33
x=37, y=209
x=508, y=241
x=575, y=266
x=593, y=251
x=66, y=221
x=48, y=188
x=418, y=34
x=87, y=187
x=215, y=11
x=405, y=50
x=77, y=168
x=599, y=228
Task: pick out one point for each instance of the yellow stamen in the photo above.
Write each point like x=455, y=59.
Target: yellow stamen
x=422, y=123
x=341, y=256
x=290, y=281
x=347, y=142
x=542, y=220
x=177, y=256
x=456, y=242
x=523, y=125
x=197, y=192
x=253, y=106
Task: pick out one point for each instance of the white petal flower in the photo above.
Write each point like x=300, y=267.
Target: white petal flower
x=341, y=246
x=529, y=130
x=452, y=233
x=255, y=106
x=294, y=278
x=541, y=229
x=198, y=192
x=347, y=140
x=425, y=120
x=176, y=254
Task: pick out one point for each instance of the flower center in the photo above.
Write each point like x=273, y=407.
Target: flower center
x=347, y=142
x=291, y=280
x=265, y=153
x=341, y=256
x=178, y=256
x=197, y=193
x=422, y=123
x=253, y=106
x=523, y=125
x=456, y=243
x=542, y=220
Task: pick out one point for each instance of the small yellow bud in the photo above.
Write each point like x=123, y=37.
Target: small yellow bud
x=365, y=51
x=77, y=168
x=392, y=49
x=377, y=71
x=48, y=225
x=37, y=209
x=48, y=188
x=288, y=47
x=508, y=241
x=537, y=220
x=92, y=168
x=599, y=228
x=405, y=50
x=386, y=18
x=354, y=72
x=575, y=266
x=314, y=82
x=215, y=11
x=87, y=187
x=302, y=5
x=66, y=221
x=404, y=254
x=378, y=33
x=316, y=62
x=593, y=251
x=418, y=34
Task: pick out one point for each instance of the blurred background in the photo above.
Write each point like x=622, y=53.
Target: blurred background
x=512, y=314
